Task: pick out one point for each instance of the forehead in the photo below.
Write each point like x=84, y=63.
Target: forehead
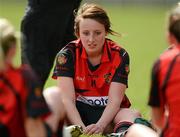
x=90, y=24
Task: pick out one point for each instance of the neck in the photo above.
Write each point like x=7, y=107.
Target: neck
x=95, y=60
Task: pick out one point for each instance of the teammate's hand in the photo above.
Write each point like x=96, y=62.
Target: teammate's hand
x=93, y=129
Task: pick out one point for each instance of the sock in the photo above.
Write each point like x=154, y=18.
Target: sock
x=143, y=122
x=122, y=126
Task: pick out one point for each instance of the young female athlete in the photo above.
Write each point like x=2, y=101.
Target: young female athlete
x=92, y=74
x=164, y=94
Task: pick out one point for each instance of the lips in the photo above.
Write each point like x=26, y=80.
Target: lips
x=92, y=45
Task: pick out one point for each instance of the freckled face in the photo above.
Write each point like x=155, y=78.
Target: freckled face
x=92, y=35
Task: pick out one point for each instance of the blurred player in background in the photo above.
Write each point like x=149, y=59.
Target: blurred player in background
x=46, y=27
x=21, y=105
x=1, y=59
x=165, y=86
x=23, y=110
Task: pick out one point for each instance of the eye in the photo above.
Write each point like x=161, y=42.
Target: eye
x=98, y=33
x=86, y=33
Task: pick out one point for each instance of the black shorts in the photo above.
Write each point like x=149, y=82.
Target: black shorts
x=89, y=114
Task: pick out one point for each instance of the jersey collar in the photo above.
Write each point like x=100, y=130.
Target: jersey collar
x=105, y=56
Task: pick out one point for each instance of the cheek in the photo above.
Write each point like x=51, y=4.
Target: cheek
x=101, y=39
x=82, y=37
x=84, y=41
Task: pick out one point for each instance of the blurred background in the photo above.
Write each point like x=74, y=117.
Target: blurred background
x=142, y=24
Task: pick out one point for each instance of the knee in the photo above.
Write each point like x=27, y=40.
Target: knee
x=126, y=114
x=52, y=96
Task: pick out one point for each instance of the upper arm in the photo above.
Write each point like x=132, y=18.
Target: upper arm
x=36, y=105
x=64, y=72
x=154, y=97
x=66, y=86
x=64, y=63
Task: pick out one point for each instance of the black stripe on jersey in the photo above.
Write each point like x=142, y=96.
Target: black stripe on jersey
x=154, y=98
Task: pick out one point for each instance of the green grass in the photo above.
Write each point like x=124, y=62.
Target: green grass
x=143, y=36
x=14, y=12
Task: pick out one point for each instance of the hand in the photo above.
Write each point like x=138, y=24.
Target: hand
x=93, y=129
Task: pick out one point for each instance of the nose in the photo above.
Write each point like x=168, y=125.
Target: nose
x=91, y=38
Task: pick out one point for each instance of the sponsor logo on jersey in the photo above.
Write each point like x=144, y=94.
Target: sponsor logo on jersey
x=93, y=101
x=79, y=78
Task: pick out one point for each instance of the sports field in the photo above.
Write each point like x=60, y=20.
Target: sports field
x=143, y=36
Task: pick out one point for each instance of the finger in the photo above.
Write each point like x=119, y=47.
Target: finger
x=99, y=132
x=93, y=130
x=90, y=129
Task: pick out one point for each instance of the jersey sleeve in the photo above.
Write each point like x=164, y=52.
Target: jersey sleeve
x=36, y=105
x=64, y=64
x=121, y=74
x=154, y=97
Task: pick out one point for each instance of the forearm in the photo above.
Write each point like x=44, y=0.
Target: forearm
x=108, y=114
x=73, y=114
x=66, y=86
x=116, y=94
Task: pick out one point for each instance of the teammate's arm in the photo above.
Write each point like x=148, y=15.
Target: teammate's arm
x=35, y=127
x=158, y=117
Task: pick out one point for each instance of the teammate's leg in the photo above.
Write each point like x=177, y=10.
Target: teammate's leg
x=139, y=130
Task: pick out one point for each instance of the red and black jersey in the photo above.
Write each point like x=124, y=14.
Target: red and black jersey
x=169, y=97
x=92, y=82
x=17, y=101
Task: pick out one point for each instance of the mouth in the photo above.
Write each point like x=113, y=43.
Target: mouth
x=91, y=45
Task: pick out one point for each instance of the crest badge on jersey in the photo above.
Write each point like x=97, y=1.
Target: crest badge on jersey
x=107, y=78
x=62, y=59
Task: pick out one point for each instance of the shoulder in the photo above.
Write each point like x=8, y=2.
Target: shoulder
x=68, y=50
x=28, y=74
x=15, y=72
x=15, y=77
x=117, y=48
x=68, y=53
x=70, y=47
x=156, y=65
x=169, y=53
